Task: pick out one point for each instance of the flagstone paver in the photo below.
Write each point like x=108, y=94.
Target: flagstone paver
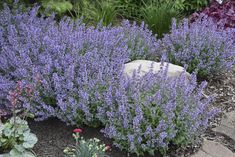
x=227, y=126
x=213, y=149
x=200, y=153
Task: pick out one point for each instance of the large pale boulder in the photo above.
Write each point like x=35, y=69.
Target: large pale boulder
x=146, y=66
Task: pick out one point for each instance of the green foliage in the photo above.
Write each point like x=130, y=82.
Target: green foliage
x=58, y=6
x=189, y=6
x=97, y=11
x=129, y=8
x=111, y=10
x=159, y=16
x=86, y=148
x=15, y=136
x=11, y=4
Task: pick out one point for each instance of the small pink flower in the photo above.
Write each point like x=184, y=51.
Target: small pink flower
x=107, y=148
x=77, y=130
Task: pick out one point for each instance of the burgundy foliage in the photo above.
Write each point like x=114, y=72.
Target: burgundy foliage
x=223, y=14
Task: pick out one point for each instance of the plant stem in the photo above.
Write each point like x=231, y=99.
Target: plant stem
x=14, y=118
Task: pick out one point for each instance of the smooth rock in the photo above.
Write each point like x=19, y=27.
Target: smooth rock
x=146, y=66
x=227, y=126
x=216, y=149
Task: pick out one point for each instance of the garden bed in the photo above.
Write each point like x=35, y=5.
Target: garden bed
x=55, y=135
x=78, y=77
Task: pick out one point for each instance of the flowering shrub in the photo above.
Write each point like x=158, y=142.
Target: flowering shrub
x=76, y=74
x=68, y=63
x=148, y=114
x=86, y=148
x=201, y=45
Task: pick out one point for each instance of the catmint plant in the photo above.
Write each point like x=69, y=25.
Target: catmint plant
x=147, y=114
x=76, y=72
x=201, y=45
x=68, y=63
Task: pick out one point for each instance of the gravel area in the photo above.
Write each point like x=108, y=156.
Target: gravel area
x=223, y=89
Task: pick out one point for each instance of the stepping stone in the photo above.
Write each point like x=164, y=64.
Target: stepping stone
x=215, y=149
x=227, y=126
x=200, y=153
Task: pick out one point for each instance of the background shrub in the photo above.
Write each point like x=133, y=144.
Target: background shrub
x=223, y=14
x=145, y=115
x=100, y=11
x=158, y=16
x=61, y=7
x=113, y=11
x=200, y=45
x=190, y=6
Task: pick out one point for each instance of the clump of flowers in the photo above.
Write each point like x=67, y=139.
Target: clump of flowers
x=15, y=136
x=74, y=66
x=147, y=114
x=201, y=45
x=77, y=76
x=86, y=148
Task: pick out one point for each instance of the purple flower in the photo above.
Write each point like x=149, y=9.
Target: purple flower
x=200, y=45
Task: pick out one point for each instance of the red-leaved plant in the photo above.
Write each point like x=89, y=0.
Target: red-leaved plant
x=223, y=14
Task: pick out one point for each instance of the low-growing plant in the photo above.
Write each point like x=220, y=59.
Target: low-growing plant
x=86, y=148
x=15, y=136
x=148, y=114
x=201, y=45
x=222, y=13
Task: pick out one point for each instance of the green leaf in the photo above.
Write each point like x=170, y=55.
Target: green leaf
x=15, y=153
x=19, y=148
x=29, y=140
x=28, y=154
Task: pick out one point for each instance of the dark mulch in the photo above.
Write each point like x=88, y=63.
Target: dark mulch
x=54, y=135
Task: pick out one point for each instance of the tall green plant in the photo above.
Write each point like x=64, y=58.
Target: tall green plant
x=129, y=8
x=189, y=6
x=158, y=16
x=58, y=6
x=98, y=10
